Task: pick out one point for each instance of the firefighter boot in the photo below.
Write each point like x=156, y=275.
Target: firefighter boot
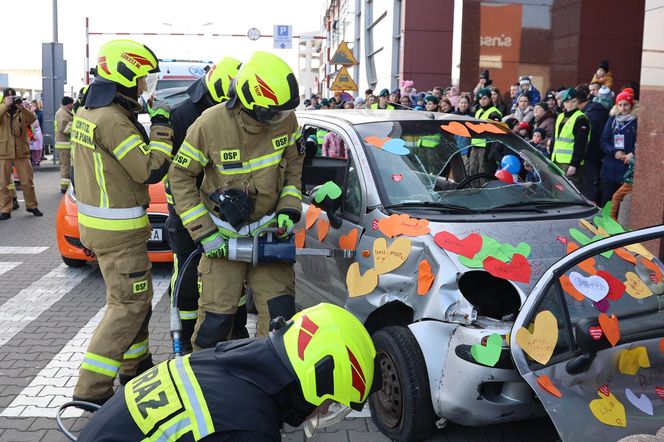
x=143, y=366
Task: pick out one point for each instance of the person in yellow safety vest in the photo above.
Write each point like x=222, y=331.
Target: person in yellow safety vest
x=571, y=137
x=115, y=162
x=62, y=127
x=313, y=370
x=383, y=99
x=247, y=149
x=479, y=160
x=320, y=139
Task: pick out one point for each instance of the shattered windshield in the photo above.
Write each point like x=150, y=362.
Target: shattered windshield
x=430, y=164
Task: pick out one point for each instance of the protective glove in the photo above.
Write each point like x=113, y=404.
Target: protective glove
x=159, y=109
x=215, y=246
x=285, y=224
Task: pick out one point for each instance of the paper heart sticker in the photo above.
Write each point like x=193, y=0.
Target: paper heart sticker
x=312, y=215
x=616, y=287
x=468, y=247
x=349, y=240
x=359, y=285
x=539, y=344
x=653, y=267
x=587, y=265
x=635, y=287
x=493, y=128
x=640, y=250
x=608, y=410
x=642, y=402
x=300, y=236
x=603, y=305
x=518, y=269
x=592, y=287
x=606, y=221
x=376, y=141
x=389, y=258
x=585, y=240
x=630, y=361
x=323, y=228
x=403, y=224
x=652, y=279
x=604, y=389
x=508, y=250
x=425, y=277
x=456, y=128
x=660, y=392
x=490, y=353
x=569, y=288
x=545, y=382
x=610, y=327
x=397, y=146
x=595, y=332
x=625, y=255
x=476, y=127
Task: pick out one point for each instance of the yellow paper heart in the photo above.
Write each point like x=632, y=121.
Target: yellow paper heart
x=639, y=249
x=608, y=410
x=631, y=360
x=635, y=287
x=389, y=258
x=540, y=343
x=359, y=285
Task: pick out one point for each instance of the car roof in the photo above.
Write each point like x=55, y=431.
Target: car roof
x=361, y=116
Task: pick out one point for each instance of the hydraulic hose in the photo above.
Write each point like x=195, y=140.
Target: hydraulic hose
x=88, y=406
x=176, y=324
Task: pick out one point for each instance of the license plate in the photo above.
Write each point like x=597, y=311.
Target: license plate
x=156, y=235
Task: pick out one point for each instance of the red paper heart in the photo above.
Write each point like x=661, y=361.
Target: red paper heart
x=660, y=391
x=562, y=239
x=616, y=286
x=518, y=269
x=468, y=247
x=397, y=177
x=374, y=224
x=596, y=332
x=604, y=389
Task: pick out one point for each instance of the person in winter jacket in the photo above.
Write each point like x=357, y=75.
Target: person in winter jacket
x=603, y=75
x=524, y=110
x=618, y=143
x=544, y=120
x=528, y=88
x=597, y=115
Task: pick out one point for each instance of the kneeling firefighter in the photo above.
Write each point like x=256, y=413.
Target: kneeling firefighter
x=209, y=90
x=247, y=150
x=314, y=369
x=114, y=162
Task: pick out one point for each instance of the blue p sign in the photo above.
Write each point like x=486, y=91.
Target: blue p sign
x=282, y=31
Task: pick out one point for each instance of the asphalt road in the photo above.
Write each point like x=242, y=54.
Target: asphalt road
x=48, y=313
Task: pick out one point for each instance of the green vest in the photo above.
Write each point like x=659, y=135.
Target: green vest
x=375, y=106
x=432, y=140
x=320, y=136
x=563, y=141
x=482, y=114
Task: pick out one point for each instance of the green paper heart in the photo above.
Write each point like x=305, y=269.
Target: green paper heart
x=584, y=240
x=489, y=354
x=495, y=249
x=330, y=189
x=606, y=222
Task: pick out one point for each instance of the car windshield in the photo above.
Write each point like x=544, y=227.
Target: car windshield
x=427, y=164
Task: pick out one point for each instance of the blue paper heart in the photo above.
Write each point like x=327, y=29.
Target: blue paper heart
x=396, y=146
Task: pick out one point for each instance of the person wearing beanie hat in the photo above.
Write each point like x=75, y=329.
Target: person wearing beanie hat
x=538, y=141
x=383, y=101
x=544, y=119
x=604, y=97
x=597, y=116
x=523, y=130
x=618, y=144
x=324, y=103
x=483, y=82
x=479, y=160
x=550, y=99
x=431, y=103
x=603, y=75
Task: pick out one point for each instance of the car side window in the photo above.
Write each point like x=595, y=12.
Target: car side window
x=352, y=196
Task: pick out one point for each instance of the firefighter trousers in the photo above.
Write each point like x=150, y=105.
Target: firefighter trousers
x=65, y=165
x=24, y=171
x=120, y=341
x=222, y=285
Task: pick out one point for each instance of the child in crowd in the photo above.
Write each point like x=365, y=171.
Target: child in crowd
x=625, y=189
x=523, y=130
x=538, y=142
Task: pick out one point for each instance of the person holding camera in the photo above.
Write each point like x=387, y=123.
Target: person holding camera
x=15, y=149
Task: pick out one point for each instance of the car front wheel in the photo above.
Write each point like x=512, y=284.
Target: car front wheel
x=74, y=262
x=402, y=409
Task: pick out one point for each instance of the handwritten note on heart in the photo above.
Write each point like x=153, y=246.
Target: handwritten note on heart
x=616, y=287
x=545, y=382
x=349, y=240
x=631, y=360
x=539, y=344
x=635, y=287
x=592, y=287
x=596, y=332
x=300, y=236
x=518, y=269
x=359, y=285
x=468, y=247
x=312, y=215
x=403, y=224
x=608, y=410
x=323, y=228
x=642, y=402
x=569, y=288
x=610, y=327
x=490, y=353
x=425, y=277
x=389, y=258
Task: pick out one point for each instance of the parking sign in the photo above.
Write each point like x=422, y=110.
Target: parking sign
x=283, y=36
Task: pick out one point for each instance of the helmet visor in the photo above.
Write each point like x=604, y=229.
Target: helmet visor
x=151, y=81
x=325, y=417
x=271, y=117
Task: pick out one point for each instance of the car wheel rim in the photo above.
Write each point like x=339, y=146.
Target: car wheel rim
x=389, y=399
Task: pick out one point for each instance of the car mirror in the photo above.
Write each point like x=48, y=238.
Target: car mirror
x=589, y=339
x=328, y=197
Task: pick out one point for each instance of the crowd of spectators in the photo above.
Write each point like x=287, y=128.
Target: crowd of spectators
x=604, y=146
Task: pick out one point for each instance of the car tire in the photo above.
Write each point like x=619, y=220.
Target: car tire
x=74, y=262
x=402, y=409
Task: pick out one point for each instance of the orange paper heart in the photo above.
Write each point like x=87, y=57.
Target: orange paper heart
x=375, y=141
x=610, y=327
x=569, y=288
x=300, y=236
x=653, y=267
x=323, y=228
x=348, y=241
x=587, y=265
x=477, y=128
x=661, y=345
x=402, y=224
x=312, y=215
x=424, y=277
x=545, y=382
x=456, y=128
x=625, y=255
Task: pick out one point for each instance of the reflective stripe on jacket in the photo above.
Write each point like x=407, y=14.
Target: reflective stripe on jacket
x=62, y=127
x=482, y=114
x=13, y=132
x=563, y=142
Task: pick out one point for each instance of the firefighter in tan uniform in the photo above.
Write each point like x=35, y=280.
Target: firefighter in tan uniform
x=62, y=125
x=247, y=150
x=114, y=163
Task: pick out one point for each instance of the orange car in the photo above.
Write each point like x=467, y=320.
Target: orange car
x=73, y=252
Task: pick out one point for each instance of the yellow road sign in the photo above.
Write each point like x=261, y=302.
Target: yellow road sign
x=343, y=82
x=343, y=55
